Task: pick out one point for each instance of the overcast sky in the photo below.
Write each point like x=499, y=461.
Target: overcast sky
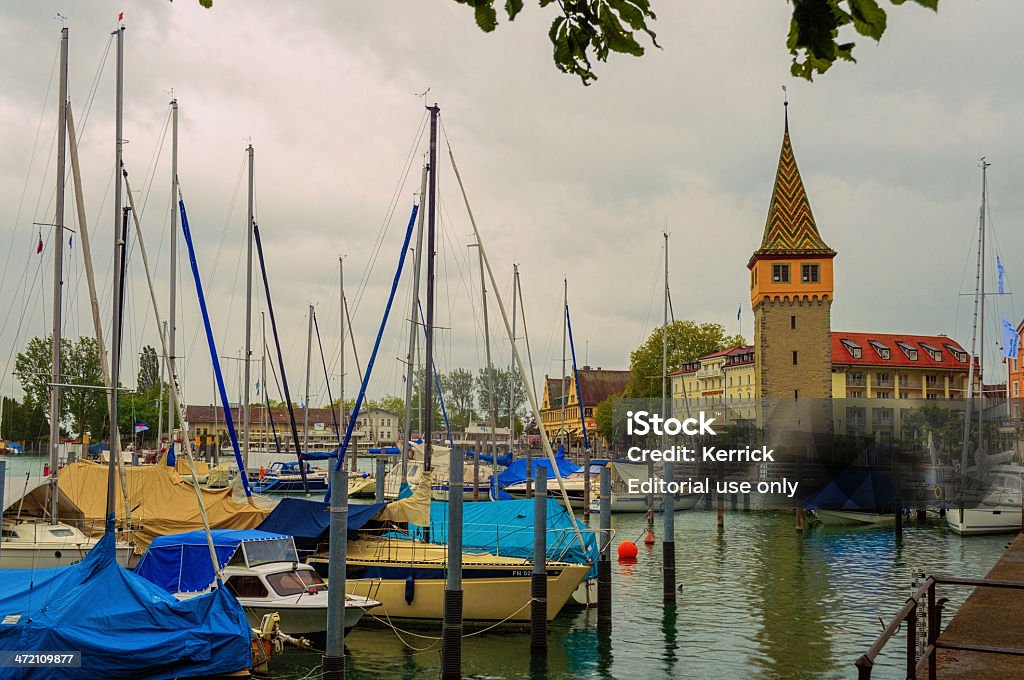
x=566, y=180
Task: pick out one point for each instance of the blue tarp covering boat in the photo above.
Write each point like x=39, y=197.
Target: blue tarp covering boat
x=180, y=563
x=504, y=460
x=506, y=528
x=310, y=520
x=855, y=490
x=123, y=625
x=516, y=472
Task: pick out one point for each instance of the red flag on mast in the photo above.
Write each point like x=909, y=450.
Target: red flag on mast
x=39, y=248
x=120, y=17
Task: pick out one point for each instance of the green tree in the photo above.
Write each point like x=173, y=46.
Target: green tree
x=33, y=368
x=687, y=340
x=149, y=370
x=458, y=386
x=509, y=394
x=24, y=423
x=85, y=408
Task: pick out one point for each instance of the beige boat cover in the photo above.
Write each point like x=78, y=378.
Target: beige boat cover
x=415, y=509
x=181, y=466
x=161, y=502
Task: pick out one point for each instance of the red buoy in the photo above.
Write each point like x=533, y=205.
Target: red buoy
x=46, y=470
x=627, y=550
x=649, y=538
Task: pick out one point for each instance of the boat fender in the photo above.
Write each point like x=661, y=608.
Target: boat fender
x=410, y=588
x=938, y=492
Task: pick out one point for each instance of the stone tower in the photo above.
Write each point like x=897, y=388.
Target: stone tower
x=791, y=292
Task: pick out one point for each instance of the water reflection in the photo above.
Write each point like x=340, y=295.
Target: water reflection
x=757, y=599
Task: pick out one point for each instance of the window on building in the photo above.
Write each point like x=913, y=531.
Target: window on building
x=1016, y=388
x=792, y=322
x=852, y=347
x=809, y=273
x=796, y=394
x=794, y=357
x=934, y=353
x=780, y=273
x=910, y=351
x=881, y=350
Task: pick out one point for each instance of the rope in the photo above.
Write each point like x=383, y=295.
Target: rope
x=399, y=632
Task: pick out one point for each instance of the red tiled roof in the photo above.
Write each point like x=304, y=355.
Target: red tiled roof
x=596, y=385
x=870, y=355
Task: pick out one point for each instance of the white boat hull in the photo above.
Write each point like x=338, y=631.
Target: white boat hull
x=300, y=619
x=621, y=503
x=979, y=521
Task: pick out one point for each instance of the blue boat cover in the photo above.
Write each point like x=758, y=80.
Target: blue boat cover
x=516, y=472
x=859, y=489
x=180, y=563
x=124, y=626
x=320, y=455
x=97, y=448
x=14, y=447
x=504, y=460
x=307, y=519
x=506, y=528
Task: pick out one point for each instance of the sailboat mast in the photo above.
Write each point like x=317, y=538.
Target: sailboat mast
x=172, y=315
x=428, y=367
x=410, y=355
x=493, y=415
x=305, y=404
x=981, y=302
x=246, y=413
x=511, y=381
x=263, y=378
x=564, y=397
x=668, y=501
x=58, y=264
x=341, y=317
x=979, y=286
x=120, y=233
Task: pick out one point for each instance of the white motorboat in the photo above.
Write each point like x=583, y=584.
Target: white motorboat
x=263, y=572
x=624, y=501
x=997, y=510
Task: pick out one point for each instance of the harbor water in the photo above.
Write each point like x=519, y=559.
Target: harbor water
x=755, y=599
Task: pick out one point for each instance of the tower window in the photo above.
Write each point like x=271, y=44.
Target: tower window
x=794, y=358
x=780, y=273
x=809, y=273
x=796, y=394
x=792, y=322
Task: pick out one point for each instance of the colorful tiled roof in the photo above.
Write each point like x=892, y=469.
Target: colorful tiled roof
x=596, y=385
x=898, y=351
x=790, y=226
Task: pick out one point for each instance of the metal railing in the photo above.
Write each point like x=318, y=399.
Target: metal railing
x=925, y=595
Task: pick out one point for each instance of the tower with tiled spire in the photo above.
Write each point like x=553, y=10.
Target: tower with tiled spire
x=791, y=292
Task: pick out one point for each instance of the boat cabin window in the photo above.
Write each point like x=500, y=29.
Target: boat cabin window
x=246, y=586
x=295, y=582
x=61, y=533
x=272, y=550
x=8, y=533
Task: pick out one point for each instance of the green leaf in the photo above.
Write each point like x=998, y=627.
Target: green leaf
x=486, y=17
x=513, y=8
x=208, y=4
x=868, y=18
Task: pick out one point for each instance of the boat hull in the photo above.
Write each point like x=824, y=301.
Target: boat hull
x=299, y=620
x=980, y=521
x=851, y=518
x=43, y=556
x=622, y=503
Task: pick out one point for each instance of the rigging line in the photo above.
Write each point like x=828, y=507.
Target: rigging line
x=91, y=97
x=31, y=160
x=389, y=214
x=148, y=178
x=24, y=312
x=650, y=305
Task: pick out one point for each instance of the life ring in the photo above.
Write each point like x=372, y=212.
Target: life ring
x=937, y=492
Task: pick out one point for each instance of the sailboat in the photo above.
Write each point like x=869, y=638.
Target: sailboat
x=990, y=498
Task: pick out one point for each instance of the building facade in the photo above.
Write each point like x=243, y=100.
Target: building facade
x=722, y=381
x=595, y=385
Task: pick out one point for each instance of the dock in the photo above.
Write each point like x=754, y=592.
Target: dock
x=991, y=617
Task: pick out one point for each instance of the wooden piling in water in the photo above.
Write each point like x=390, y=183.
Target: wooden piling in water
x=604, y=565
x=378, y=496
x=539, y=577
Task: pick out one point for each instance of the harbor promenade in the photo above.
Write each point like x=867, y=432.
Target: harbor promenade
x=991, y=617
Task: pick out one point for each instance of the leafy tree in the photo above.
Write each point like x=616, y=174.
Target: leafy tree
x=586, y=29
x=687, y=340
x=33, y=368
x=509, y=394
x=149, y=370
x=458, y=386
x=24, y=423
x=86, y=408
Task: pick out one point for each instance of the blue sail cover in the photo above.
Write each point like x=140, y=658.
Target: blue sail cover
x=516, y=472
x=504, y=460
x=180, y=563
x=124, y=626
x=856, y=490
x=506, y=528
x=306, y=519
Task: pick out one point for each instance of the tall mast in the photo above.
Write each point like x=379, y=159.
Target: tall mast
x=981, y=302
x=979, y=292
x=341, y=316
x=511, y=382
x=58, y=265
x=565, y=397
x=668, y=560
x=305, y=410
x=490, y=370
x=120, y=232
x=410, y=356
x=263, y=377
x=172, y=315
x=246, y=415
x=428, y=366
x=664, y=344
